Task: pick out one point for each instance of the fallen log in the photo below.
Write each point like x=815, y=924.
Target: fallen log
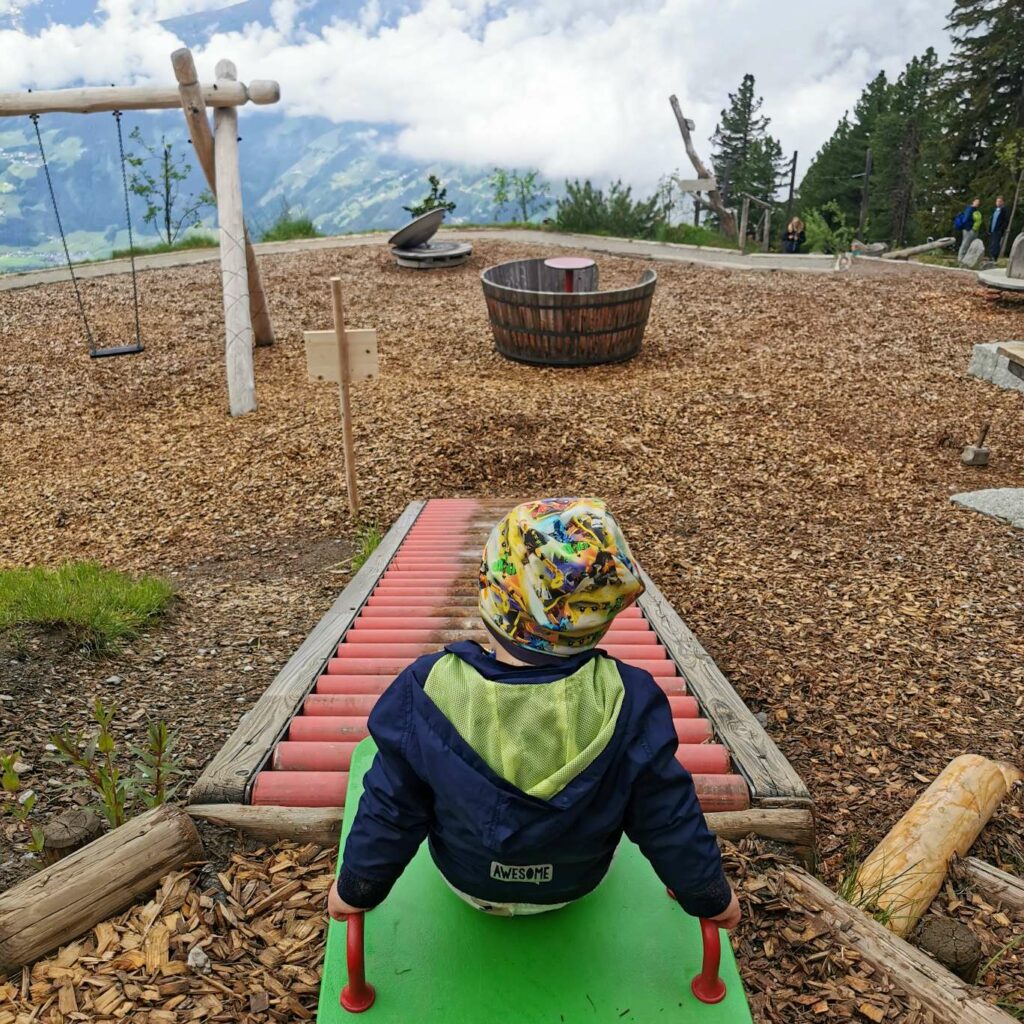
x=998, y=886
x=903, y=874
x=949, y=999
x=61, y=902
x=322, y=825
x=902, y=254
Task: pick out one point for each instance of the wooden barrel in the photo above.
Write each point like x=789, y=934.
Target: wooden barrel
x=534, y=321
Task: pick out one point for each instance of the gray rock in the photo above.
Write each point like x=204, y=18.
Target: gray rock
x=113, y=680
x=988, y=364
x=974, y=255
x=1015, y=267
x=1003, y=503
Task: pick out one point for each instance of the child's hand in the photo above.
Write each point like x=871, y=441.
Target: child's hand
x=730, y=917
x=338, y=908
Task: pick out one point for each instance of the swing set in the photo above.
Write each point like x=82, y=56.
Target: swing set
x=246, y=318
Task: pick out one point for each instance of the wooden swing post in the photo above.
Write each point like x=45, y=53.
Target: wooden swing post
x=193, y=103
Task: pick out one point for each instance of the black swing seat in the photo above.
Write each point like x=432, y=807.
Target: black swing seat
x=118, y=350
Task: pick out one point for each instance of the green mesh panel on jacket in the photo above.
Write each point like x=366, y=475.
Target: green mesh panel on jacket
x=538, y=736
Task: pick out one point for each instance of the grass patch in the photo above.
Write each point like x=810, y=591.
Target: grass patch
x=689, y=234
x=287, y=226
x=98, y=607
x=368, y=540
x=191, y=242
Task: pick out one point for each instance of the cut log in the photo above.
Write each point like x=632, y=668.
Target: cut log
x=996, y=885
x=322, y=825
x=902, y=254
x=726, y=221
x=952, y=943
x=949, y=999
x=61, y=902
x=904, y=872
x=68, y=832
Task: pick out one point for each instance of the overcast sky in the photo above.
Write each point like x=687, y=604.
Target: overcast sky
x=576, y=89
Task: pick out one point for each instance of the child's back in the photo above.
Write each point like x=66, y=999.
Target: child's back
x=524, y=767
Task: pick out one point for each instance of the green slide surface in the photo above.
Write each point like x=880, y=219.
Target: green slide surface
x=624, y=953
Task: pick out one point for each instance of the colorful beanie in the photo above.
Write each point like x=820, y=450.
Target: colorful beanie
x=554, y=575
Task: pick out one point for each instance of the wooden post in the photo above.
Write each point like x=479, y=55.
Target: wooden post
x=59, y=903
x=194, y=107
x=726, y=221
x=766, y=236
x=792, y=189
x=862, y=221
x=344, y=391
x=696, y=211
x=238, y=340
x=744, y=214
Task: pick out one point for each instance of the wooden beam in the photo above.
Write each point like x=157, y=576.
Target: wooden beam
x=238, y=336
x=61, y=902
x=726, y=221
x=770, y=776
x=228, y=775
x=322, y=825
x=949, y=999
x=194, y=107
x=996, y=885
x=902, y=254
x=147, y=97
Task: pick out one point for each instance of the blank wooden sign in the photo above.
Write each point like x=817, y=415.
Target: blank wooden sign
x=322, y=355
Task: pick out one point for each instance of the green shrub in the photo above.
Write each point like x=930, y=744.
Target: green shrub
x=287, y=226
x=588, y=210
x=100, y=608
x=688, y=234
x=826, y=229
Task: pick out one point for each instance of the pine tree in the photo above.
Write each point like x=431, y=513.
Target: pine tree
x=834, y=173
x=905, y=150
x=985, y=87
x=746, y=158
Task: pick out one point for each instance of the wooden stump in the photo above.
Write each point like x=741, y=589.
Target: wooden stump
x=952, y=943
x=61, y=902
x=68, y=832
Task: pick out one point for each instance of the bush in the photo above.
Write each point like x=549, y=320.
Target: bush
x=99, y=608
x=688, y=234
x=287, y=226
x=827, y=231
x=588, y=210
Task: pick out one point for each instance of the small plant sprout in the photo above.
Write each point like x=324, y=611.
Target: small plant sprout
x=158, y=767
x=19, y=802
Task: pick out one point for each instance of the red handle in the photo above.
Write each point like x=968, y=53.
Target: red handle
x=707, y=986
x=357, y=995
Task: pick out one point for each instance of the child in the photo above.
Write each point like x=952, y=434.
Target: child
x=523, y=768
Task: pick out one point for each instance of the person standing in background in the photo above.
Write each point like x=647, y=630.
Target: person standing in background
x=971, y=225
x=794, y=236
x=997, y=228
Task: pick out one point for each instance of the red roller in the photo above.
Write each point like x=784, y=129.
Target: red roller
x=407, y=633
x=630, y=653
x=688, y=730
x=353, y=684
x=722, y=792
x=696, y=758
x=673, y=686
x=435, y=594
x=314, y=757
x=329, y=729
x=300, y=789
x=370, y=666
x=411, y=616
x=683, y=707
x=358, y=704
x=385, y=604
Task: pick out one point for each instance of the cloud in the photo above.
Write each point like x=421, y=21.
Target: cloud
x=576, y=90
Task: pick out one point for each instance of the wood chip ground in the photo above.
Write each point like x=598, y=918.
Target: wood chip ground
x=781, y=455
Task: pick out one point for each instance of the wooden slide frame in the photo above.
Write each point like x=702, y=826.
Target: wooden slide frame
x=780, y=802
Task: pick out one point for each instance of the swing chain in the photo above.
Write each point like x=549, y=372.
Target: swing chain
x=131, y=240
x=60, y=227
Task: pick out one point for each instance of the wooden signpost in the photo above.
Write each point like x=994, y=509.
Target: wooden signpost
x=342, y=356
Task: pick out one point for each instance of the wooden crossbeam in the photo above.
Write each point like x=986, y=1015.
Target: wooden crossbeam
x=94, y=100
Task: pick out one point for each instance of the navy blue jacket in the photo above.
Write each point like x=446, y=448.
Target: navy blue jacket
x=428, y=783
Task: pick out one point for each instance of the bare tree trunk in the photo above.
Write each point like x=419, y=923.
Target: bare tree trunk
x=726, y=221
